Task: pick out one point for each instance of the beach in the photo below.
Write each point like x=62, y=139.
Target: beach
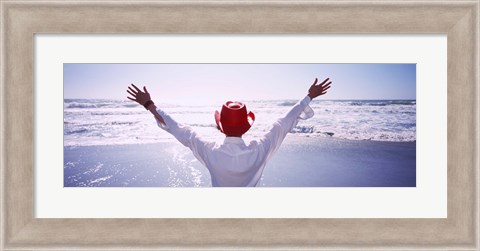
x=348, y=143
x=300, y=162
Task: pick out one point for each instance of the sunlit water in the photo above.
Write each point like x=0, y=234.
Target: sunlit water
x=116, y=122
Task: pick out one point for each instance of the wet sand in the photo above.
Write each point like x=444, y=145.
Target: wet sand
x=300, y=162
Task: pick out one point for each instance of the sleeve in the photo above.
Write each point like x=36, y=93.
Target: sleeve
x=186, y=136
x=274, y=138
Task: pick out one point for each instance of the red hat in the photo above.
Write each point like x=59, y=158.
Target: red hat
x=234, y=119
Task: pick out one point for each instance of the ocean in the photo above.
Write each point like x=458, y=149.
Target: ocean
x=91, y=122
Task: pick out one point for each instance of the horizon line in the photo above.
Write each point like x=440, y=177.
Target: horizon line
x=347, y=99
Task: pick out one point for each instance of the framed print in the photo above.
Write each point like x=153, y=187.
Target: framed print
x=27, y=24
x=371, y=177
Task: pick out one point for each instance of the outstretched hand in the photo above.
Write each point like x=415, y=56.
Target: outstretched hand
x=319, y=90
x=138, y=96
x=142, y=98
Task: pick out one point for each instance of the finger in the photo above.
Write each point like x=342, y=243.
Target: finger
x=136, y=88
x=323, y=84
x=325, y=81
x=132, y=90
x=315, y=82
x=133, y=94
x=131, y=98
x=145, y=89
x=324, y=89
x=323, y=93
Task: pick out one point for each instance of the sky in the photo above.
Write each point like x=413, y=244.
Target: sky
x=242, y=82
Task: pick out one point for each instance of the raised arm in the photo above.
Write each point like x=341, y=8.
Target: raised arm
x=182, y=133
x=272, y=140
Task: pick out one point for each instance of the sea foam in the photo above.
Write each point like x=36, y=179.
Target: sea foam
x=113, y=122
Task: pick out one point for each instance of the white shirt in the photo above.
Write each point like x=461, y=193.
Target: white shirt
x=235, y=163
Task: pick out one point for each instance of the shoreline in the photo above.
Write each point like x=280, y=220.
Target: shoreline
x=290, y=139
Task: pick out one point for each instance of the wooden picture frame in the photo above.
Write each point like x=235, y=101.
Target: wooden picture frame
x=21, y=20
